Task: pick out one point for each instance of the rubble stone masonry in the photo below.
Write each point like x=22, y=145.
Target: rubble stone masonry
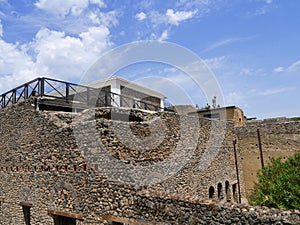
x=94, y=167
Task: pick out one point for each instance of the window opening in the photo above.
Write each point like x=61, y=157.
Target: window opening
x=220, y=195
x=211, y=192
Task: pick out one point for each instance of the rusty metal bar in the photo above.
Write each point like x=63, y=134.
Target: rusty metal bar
x=237, y=170
x=260, y=149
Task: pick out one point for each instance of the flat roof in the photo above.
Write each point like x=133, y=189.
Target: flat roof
x=127, y=84
x=215, y=109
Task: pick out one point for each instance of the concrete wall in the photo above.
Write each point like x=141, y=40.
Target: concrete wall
x=153, y=101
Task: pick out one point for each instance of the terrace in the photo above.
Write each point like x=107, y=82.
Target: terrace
x=52, y=94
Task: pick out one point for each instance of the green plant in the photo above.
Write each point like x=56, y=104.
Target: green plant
x=278, y=184
x=295, y=118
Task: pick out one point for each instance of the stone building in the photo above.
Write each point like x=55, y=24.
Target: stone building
x=230, y=113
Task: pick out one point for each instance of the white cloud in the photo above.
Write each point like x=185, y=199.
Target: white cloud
x=274, y=91
x=175, y=17
x=234, y=98
x=94, y=18
x=66, y=57
x=65, y=53
x=100, y=3
x=1, y=29
x=160, y=19
x=294, y=67
x=15, y=66
x=270, y=91
x=247, y=71
x=204, y=5
x=96, y=39
x=227, y=42
x=261, y=11
x=219, y=44
x=63, y=8
x=170, y=17
x=107, y=19
x=266, y=8
x=279, y=69
x=56, y=55
x=141, y=16
x=164, y=36
x=215, y=63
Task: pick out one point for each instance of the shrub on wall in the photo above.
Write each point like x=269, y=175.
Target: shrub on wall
x=295, y=118
x=278, y=184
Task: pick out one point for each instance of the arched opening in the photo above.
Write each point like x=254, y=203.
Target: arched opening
x=227, y=191
x=234, y=192
x=211, y=192
x=220, y=195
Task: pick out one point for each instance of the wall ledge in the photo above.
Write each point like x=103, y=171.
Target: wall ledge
x=128, y=221
x=65, y=214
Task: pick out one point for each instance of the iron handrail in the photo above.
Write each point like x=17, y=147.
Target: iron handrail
x=38, y=87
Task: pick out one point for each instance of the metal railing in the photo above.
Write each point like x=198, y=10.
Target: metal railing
x=70, y=93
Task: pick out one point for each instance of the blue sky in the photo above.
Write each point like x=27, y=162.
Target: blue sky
x=252, y=47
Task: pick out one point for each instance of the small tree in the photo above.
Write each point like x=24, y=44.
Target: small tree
x=278, y=184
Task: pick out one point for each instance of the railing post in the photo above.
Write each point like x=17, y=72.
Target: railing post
x=3, y=101
x=67, y=91
x=37, y=89
x=14, y=97
x=42, y=87
x=88, y=95
x=105, y=99
x=26, y=91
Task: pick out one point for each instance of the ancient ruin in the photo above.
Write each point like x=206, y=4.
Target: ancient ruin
x=116, y=165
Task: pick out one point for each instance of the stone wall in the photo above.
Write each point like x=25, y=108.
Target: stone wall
x=279, y=138
x=172, y=210
x=80, y=165
x=98, y=198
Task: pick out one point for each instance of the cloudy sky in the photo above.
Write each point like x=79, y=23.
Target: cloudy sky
x=252, y=47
